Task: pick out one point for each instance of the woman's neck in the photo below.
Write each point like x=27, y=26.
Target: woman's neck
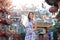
x=31, y=19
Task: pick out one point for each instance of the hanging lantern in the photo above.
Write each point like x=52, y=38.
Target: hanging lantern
x=53, y=9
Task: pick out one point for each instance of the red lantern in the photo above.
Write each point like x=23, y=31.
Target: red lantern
x=53, y=9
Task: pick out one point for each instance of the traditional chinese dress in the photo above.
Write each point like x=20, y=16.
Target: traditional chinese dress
x=28, y=30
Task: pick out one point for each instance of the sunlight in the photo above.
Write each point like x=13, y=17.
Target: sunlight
x=28, y=3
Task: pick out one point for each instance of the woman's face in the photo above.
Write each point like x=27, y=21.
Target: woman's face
x=31, y=15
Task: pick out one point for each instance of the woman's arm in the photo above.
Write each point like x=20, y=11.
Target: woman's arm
x=35, y=26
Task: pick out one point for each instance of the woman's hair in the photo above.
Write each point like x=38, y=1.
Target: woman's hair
x=29, y=16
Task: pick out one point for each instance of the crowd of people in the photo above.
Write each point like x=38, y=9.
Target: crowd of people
x=28, y=32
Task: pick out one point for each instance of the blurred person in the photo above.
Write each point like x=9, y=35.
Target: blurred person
x=21, y=29
x=31, y=27
x=47, y=36
x=41, y=37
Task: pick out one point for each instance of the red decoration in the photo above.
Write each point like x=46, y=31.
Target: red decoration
x=5, y=21
x=2, y=0
x=4, y=32
x=3, y=9
x=53, y=9
x=8, y=22
x=0, y=20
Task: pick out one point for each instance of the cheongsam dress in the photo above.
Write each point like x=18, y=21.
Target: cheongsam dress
x=29, y=27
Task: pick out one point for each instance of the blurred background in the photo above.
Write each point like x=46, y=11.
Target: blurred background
x=47, y=15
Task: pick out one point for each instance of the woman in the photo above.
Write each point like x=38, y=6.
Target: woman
x=31, y=28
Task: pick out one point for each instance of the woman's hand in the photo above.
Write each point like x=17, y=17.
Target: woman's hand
x=34, y=29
